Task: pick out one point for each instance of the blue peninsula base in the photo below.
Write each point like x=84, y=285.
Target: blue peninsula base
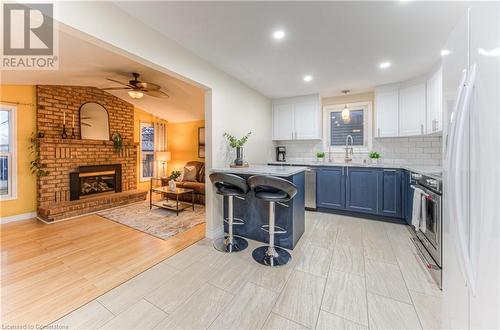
x=255, y=213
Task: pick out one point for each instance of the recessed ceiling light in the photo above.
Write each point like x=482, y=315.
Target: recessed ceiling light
x=308, y=78
x=279, y=34
x=384, y=65
x=445, y=52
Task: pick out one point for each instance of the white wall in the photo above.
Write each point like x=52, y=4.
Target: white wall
x=234, y=107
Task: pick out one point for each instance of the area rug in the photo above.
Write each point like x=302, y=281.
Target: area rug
x=158, y=222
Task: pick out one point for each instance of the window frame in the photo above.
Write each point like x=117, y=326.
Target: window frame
x=141, y=125
x=12, y=153
x=367, y=125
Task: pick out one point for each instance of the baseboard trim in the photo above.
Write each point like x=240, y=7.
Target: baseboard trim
x=215, y=233
x=18, y=217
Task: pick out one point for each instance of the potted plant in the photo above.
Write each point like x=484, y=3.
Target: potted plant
x=238, y=144
x=173, y=176
x=374, y=156
x=320, y=156
x=36, y=165
x=117, y=141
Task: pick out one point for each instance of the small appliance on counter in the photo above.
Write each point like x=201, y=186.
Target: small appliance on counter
x=280, y=153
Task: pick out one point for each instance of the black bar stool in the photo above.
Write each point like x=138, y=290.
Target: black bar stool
x=274, y=190
x=230, y=185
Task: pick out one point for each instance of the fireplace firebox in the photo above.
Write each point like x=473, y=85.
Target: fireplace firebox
x=90, y=181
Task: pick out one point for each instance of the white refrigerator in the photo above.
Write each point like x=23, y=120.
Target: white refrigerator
x=471, y=206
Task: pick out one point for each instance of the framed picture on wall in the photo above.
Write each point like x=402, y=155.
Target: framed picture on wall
x=201, y=142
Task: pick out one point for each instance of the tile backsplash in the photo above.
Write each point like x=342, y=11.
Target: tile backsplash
x=422, y=150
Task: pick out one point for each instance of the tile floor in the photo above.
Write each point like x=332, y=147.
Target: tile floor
x=345, y=273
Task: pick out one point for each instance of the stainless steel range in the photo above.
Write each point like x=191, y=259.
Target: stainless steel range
x=428, y=239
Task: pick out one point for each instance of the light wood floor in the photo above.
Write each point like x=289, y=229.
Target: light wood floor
x=48, y=271
x=346, y=273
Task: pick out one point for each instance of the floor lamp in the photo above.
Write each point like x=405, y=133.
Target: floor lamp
x=163, y=157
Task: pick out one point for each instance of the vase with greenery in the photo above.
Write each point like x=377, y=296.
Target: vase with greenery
x=36, y=165
x=320, y=156
x=238, y=145
x=374, y=156
x=173, y=176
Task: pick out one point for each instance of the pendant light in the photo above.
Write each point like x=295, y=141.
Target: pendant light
x=346, y=115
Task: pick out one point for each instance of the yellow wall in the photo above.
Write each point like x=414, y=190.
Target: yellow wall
x=26, y=124
x=182, y=141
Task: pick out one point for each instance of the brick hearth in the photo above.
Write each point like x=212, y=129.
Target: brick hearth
x=62, y=156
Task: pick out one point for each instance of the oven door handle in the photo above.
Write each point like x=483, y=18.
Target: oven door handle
x=422, y=190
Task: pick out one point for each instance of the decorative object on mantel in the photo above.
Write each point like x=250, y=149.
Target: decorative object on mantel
x=320, y=156
x=64, y=135
x=374, y=156
x=238, y=144
x=94, y=122
x=173, y=176
x=117, y=141
x=36, y=166
x=73, y=136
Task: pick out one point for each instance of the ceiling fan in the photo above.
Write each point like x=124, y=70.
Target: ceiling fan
x=137, y=89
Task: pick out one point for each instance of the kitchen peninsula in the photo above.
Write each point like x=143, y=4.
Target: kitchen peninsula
x=255, y=213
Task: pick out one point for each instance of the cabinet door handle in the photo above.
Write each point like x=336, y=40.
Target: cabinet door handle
x=389, y=170
x=347, y=171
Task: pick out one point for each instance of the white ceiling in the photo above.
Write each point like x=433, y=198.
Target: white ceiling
x=83, y=63
x=339, y=43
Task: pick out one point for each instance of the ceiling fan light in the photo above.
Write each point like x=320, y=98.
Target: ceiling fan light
x=135, y=94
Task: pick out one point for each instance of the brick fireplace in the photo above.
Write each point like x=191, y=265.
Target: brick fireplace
x=65, y=156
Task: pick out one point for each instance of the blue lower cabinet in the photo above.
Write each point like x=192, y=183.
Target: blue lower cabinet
x=330, y=188
x=374, y=191
x=390, y=193
x=361, y=190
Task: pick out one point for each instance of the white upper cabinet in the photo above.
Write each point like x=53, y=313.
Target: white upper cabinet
x=297, y=118
x=412, y=110
x=283, y=119
x=435, y=102
x=387, y=111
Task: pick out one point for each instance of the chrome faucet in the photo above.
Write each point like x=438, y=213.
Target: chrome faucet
x=348, y=149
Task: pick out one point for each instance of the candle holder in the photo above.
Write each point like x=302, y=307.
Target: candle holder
x=73, y=136
x=64, y=135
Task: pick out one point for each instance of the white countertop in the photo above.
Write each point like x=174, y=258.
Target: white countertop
x=282, y=171
x=423, y=169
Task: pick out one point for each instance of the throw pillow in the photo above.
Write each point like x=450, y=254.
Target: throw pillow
x=189, y=173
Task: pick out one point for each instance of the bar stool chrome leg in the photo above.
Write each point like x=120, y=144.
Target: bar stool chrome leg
x=271, y=255
x=230, y=243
